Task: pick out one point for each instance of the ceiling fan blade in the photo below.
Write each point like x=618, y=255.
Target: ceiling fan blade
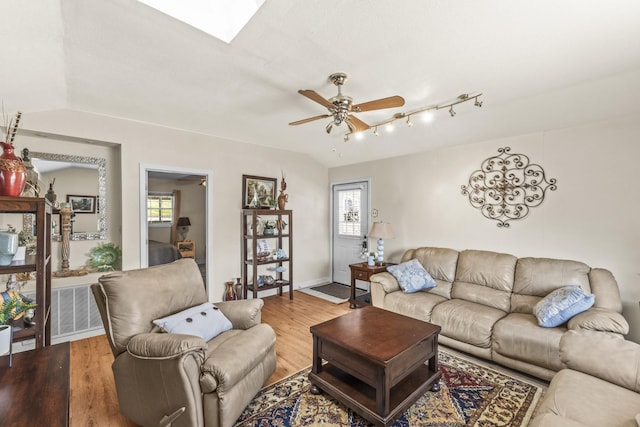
x=355, y=124
x=314, y=96
x=310, y=119
x=379, y=104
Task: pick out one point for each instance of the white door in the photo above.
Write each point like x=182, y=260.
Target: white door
x=350, y=220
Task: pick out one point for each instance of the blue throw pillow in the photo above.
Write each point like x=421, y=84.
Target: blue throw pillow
x=205, y=321
x=411, y=276
x=561, y=305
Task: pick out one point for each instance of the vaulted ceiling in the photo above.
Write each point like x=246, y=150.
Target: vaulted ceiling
x=540, y=65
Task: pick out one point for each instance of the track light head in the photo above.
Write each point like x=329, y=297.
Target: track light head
x=409, y=122
x=453, y=113
x=346, y=137
x=477, y=103
x=375, y=131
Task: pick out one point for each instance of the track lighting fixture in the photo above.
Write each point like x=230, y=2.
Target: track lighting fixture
x=425, y=112
x=346, y=137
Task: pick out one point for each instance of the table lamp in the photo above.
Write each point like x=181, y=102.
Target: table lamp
x=381, y=230
x=183, y=227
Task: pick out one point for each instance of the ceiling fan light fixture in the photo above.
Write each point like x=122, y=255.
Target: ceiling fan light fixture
x=346, y=137
x=329, y=127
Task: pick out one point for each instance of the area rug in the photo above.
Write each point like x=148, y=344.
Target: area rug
x=470, y=395
x=333, y=292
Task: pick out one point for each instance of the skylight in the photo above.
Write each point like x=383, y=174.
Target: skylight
x=223, y=19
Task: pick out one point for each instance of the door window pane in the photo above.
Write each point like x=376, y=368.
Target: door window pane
x=349, y=214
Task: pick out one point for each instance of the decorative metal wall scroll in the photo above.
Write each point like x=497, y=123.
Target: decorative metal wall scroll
x=507, y=186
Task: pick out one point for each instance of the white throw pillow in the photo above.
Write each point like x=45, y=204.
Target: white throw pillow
x=205, y=321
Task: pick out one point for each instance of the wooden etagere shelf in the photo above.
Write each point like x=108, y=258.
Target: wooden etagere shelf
x=40, y=264
x=252, y=265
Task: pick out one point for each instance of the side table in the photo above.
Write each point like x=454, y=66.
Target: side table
x=35, y=390
x=362, y=271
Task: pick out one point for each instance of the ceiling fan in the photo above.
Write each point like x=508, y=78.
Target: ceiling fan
x=341, y=107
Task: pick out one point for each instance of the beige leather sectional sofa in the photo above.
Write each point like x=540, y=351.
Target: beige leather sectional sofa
x=484, y=303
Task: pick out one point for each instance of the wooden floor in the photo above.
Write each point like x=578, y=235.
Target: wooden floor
x=93, y=397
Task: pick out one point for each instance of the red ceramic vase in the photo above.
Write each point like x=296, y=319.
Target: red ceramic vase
x=13, y=174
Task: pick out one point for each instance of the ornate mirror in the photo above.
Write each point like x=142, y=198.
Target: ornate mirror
x=86, y=178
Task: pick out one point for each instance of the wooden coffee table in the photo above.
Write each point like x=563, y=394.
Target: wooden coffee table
x=375, y=362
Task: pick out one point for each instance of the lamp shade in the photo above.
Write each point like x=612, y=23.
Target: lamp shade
x=184, y=222
x=381, y=230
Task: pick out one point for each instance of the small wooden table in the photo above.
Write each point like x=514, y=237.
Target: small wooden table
x=35, y=390
x=362, y=271
x=375, y=362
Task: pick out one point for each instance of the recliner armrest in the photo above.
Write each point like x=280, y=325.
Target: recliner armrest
x=164, y=346
x=243, y=314
x=600, y=319
x=606, y=356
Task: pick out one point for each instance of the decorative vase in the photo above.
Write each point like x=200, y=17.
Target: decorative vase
x=21, y=254
x=282, y=200
x=238, y=287
x=371, y=261
x=13, y=174
x=269, y=231
x=8, y=246
x=230, y=294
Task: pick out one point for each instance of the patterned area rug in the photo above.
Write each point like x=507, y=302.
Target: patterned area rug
x=470, y=395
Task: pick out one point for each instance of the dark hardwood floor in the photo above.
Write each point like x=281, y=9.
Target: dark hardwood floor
x=93, y=397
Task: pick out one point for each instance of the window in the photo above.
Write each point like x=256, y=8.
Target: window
x=160, y=209
x=349, y=213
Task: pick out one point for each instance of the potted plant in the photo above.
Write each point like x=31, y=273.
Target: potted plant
x=268, y=227
x=12, y=308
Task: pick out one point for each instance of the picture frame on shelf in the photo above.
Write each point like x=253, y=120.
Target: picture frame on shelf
x=82, y=204
x=258, y=191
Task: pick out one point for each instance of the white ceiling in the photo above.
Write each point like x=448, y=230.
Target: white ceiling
x=541, y=65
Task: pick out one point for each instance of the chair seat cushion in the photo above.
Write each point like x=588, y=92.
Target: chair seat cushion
x=466, y=321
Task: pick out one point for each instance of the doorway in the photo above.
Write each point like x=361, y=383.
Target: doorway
x=350, y=225
x=182, y=176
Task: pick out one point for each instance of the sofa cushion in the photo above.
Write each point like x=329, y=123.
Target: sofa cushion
x=466, y=321
x=411, y=276
x=561, y=305
x=418, y=305
x=539, y=276
x=205, y=321
x=485, y=277
x=518, y=336
x=439, y=262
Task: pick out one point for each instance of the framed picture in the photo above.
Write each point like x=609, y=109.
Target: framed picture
x=257, y=191
x=82, y=204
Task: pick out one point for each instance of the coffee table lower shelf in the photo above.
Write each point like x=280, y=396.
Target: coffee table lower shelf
x=361, y=397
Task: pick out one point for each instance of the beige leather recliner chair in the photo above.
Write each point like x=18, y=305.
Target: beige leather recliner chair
x=167, y=379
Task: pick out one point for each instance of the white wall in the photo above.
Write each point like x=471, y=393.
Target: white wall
x=592, y=217
x=228, y=160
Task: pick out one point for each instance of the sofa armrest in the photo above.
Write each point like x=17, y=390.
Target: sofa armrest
x=243, y=314
x=606, y=356
x=387, y=282
x=600, y=319
x=164, y=346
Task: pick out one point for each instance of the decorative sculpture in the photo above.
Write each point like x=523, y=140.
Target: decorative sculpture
x=507, y=186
